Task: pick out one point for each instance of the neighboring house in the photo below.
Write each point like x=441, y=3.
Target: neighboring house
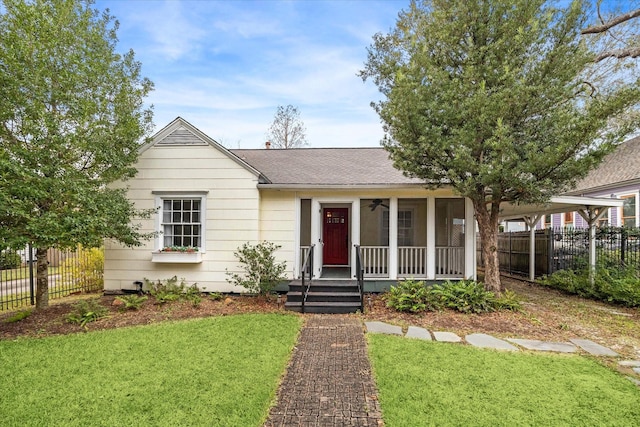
x=618, y=177
x=334, y=198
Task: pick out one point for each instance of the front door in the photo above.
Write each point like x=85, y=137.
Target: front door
x=335, y=235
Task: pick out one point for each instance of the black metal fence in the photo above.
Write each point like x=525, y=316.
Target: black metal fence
x=69, y=272
x=566, y=249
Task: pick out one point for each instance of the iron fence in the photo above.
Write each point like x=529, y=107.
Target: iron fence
x=69, y=272
x=566, y=249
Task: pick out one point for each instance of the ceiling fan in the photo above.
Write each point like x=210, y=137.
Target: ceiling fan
x=377, y=202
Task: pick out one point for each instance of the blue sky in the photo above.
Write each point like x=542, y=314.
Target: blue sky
x=225, y=66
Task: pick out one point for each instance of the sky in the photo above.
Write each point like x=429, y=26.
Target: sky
x=225, y=66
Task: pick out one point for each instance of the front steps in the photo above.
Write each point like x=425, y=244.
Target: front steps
x=325, y=296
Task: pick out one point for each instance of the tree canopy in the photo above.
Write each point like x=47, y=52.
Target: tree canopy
x=494, y=98
x=287, y=129
x=72, y=118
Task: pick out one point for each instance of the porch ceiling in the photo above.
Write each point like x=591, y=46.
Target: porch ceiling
x=556, y=205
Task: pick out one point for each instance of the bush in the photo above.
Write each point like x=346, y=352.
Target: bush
x=132, y=302
x=466, y=296
x=86, y=311
x=9, y=260
x=261, y=271
x=412, y=296
x=18, y=316
x=170, y=290
x=86, y=269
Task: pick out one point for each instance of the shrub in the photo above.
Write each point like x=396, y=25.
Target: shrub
x=466, y=296
x=85, y=269
x=508, y=301
x=412, y=296
x=216, y=296
x=170, y=290
x=9, y=260
x=261, y=271
x=132, y=302
x=86, y=311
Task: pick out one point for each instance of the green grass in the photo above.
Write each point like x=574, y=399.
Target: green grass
x=221, y=371
x=437, y=384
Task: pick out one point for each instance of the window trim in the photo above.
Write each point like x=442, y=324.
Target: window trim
x=160, y=196
x=411, y=209
x=635, y=213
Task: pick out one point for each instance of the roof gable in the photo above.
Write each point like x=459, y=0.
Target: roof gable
x=181, y=133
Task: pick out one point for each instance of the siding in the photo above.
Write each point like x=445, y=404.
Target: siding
x=278, y=224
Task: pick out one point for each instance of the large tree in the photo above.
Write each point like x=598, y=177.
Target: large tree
x=71, y=121
x=287, y=129
x=494, y=98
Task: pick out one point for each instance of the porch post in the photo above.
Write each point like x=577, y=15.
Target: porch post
x=592, y=214
x=316, y=238
x=431, y=238
x=355, y=233
x=470, y=267
x=393, y=238
x=296, y=238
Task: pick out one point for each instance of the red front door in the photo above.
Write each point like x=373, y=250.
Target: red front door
x=335, y=235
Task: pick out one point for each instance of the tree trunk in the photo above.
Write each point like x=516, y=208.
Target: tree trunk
x=42, y=279
x=488, y=228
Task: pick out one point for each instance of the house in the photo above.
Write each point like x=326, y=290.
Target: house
x=334, y=200
x=617, y=177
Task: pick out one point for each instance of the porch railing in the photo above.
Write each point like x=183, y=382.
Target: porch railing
x=360, y=276
x=304, y=250
x=306, y=271
x=375, y=260
x=449, y=261
x=412, y=261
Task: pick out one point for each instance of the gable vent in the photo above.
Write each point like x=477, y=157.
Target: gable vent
x=181, y=137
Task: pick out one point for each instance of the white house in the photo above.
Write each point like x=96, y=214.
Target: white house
x=332, y=199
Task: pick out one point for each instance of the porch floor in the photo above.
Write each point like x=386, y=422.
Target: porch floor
x=336, y=273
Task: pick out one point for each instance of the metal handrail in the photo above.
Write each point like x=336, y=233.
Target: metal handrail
x=307, y=267
x=360, y=276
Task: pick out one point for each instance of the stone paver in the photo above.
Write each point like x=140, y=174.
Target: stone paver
x=383, y=328
x=446, y=336
x=487, y=341
x=328, y=381
x=629, y=363
x=594, y=348
x=558, y=347
x=419, y=333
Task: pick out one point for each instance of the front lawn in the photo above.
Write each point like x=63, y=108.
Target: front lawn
x=437, y=384
x=221, y=371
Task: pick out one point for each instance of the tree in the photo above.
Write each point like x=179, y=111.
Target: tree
x=71, y=123
x=287, y=129
x=618, y=34
x=491, y=98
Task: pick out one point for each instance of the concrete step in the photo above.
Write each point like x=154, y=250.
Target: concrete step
x=324, y=307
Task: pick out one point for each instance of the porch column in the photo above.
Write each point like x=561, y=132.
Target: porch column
x=531, y=222
x=316, y=238
x=296, y=239
x=592, y=214
x=355, y=233
x=393, y=238
x=470, y=267
x=431, y=238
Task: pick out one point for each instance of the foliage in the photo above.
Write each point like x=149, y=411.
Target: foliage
x=412, y=296
x=216, y=296
x=612, y=283
x=72, y=118
x=85, y=268
x=287, y=129
x=188, y=249
x=465, y=296
x=496, y=99
x=87, y=311
x=261, y=271
x=170, y=290
x=9, y=260
x=132, y=302
x=18, y=316
x=139, y=376
x=467, y=386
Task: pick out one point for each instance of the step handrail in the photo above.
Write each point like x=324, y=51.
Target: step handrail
x=307, y=267
x=360, y=276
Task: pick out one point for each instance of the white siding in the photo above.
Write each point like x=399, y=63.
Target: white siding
x=278, y=224
x=232, y=215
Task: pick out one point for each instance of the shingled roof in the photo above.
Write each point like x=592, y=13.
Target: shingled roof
x=326, y=167
x=619, y=167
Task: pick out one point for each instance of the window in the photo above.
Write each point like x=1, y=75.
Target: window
x=568, y=219
x=405, y=227
x=181, y=219
x=604, y=220
x=547, y=221
x=629, y=211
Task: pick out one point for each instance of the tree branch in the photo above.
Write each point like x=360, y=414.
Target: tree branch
x=596, y=29
x=630, y=52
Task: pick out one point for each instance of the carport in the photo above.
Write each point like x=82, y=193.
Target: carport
x=589, y=208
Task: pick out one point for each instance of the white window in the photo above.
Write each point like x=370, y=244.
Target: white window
x=405, y=227
x=181, y=219
x=628, y=216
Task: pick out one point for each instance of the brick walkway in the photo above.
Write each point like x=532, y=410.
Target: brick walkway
x=328, y=382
